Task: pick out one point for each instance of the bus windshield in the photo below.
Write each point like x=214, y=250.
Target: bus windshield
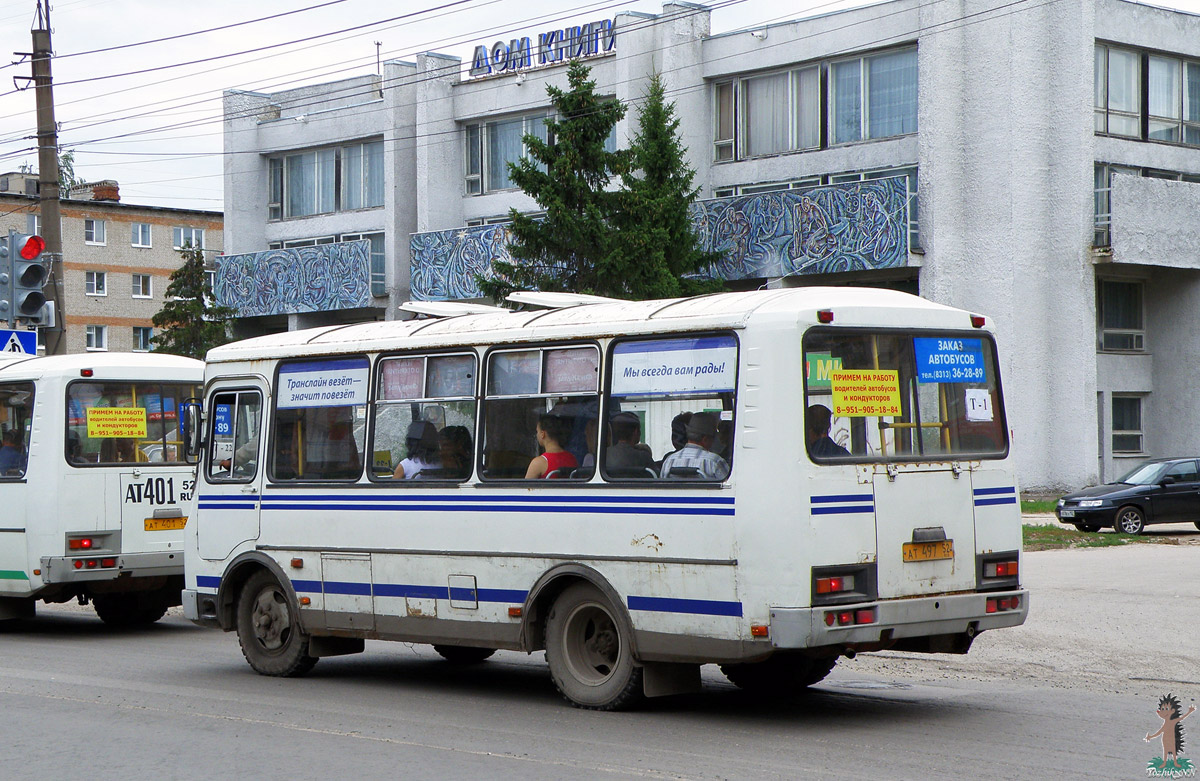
x=895, y=396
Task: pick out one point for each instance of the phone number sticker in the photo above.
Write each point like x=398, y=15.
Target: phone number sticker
x=865, y=393
x=950, y=360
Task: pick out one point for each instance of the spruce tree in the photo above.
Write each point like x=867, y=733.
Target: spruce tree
x=569, y=249
x=190, y=324
x=659, y=255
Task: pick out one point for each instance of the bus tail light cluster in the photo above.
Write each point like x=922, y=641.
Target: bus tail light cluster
x=835, y=585
x=80, y=543
x=850, y=617
x=998, y=571
x=1003, y=603
x=106, y=563
x=843, y=584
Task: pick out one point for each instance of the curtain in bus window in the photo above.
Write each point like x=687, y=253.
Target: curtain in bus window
x=658, y=386
x=892, y=395
x=16, y=413
x=425, y=418
x=320, y=424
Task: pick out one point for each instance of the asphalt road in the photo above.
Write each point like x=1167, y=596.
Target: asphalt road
x=1073, y=692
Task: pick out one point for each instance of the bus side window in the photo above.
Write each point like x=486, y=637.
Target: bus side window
x=320, y=419
x=16, y=411
x=235, y=434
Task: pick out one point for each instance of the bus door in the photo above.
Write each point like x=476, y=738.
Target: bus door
x=924, y=530
x=231, y=472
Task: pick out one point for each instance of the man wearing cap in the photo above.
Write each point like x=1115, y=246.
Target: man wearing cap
x=697, y=453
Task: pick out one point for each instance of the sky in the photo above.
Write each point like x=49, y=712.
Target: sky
x=148, y=114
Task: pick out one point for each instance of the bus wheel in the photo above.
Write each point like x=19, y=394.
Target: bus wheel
x=588, y=651
x=121, y=610
x=269, y=630
x=781, y=673
x=463, y=654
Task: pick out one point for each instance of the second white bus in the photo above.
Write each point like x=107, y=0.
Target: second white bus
x=843, y=485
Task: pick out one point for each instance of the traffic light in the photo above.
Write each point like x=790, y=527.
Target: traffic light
x=27, y=276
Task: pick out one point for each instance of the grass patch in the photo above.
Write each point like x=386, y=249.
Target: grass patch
x=1055, y=537
x=1039, y=506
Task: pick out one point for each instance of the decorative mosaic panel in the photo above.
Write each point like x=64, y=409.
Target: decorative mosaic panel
x=844, y=227
x=290, y=281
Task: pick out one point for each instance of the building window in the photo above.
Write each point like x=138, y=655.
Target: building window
x=1118, y=92
x=326, y=180
x=93, y=231
x=141, y=286
x=95, y=283
x=1173, y=100
x=491, y=146
x=142, y=337
x=1120, y=313
x=184, y=237
x=97, y=337
x=873, y=97
x=378, y=260
x=140, y=234
x=1126, y=424
x=768, y=114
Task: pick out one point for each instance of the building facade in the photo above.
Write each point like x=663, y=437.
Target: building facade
x=1035, y=162
x=117, y=259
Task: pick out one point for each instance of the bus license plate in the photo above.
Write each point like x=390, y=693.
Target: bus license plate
x=165, y=524
x=929, y=551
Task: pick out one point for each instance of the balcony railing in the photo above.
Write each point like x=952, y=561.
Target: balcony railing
x=857, y=226
x=290, y=281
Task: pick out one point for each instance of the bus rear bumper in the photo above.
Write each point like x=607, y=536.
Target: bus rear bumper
x=63, y=569
x=952, y=614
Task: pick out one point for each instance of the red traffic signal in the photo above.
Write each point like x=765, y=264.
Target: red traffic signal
x=31, y=247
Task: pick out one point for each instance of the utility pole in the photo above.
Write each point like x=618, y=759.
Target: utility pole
x=48, y=190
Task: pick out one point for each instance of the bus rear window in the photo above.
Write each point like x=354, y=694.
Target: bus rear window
x=125, y=422
x=885, y=396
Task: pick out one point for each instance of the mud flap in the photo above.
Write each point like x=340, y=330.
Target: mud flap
x=660, y=679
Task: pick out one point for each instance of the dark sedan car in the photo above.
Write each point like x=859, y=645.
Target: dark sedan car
x=1166, y=490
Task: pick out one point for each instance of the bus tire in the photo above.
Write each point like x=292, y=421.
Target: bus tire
x=463, y=654
x=589, y=653
x=784, y=674
x=268, y=629
x=124, y=610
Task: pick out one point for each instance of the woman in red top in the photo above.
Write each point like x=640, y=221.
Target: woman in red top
x=551, y=433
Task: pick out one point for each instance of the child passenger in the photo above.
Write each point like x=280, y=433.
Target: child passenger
x=551, y=434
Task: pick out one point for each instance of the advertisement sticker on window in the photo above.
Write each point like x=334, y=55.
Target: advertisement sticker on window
x=110, y=422
x=674, y=366
x=865, y=393
x=323, y=384
x=949, y=360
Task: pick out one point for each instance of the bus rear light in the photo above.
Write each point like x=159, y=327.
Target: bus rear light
x=758, y=630
x=108, y=563
x=78, y=563
x=866, y=616
x=835, y=585
x=991, y=606
x=91, y=563
x=86, y=372
x=845, y=618
x=79, y=543
x=978, y=321
x=1000, y=569
x=830, y=618
x=825, y=316
x=1003, y=603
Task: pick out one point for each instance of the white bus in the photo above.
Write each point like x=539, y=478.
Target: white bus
x=630, y=566
x=93, y=482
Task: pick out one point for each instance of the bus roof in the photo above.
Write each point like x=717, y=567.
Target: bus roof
x=105, y=365
x=854, y=306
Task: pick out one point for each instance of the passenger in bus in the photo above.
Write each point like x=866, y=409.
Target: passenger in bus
x=589, y=434
x=421, y=444
x=816, y=433
x=12, y=459
x=627, y=456
x=455, y=451
x=696, y=458
x=552, y=432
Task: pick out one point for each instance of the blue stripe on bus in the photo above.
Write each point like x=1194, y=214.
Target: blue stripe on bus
x=990, y=491
x=842, y=510
x=1001, y=500
x=212, y=505
x=411, y=591
x=501, y=508
x=307, y=586
x=347, y=587
x=371, y=496
x=705, y=607
x=208, y=581
x=842, y=498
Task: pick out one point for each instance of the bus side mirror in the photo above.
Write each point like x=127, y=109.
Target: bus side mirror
x=192, y=426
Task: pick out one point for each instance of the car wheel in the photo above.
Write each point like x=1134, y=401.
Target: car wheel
x=1130, y=520
x=1087, y=527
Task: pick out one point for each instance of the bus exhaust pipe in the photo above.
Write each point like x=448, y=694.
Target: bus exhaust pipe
x=849, y=653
